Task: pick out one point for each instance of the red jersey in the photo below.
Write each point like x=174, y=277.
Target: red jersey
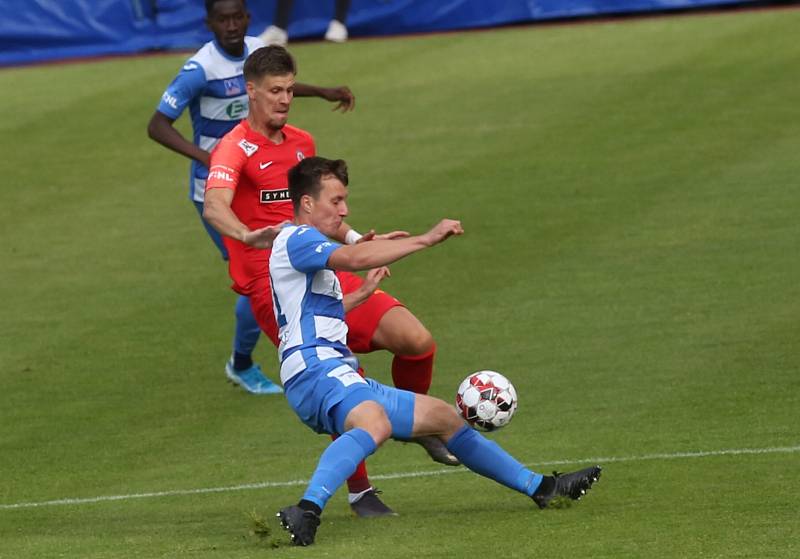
x=257, y=171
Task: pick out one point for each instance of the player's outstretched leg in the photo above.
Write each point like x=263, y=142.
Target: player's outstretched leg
x=489, y=459
x=240, y=368
x=573, y=485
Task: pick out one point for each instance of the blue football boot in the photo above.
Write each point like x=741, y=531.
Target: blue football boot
x=252, y=379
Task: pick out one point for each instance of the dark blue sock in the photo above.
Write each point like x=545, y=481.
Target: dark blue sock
x=247, y=333
x=338, y=463
x=488, y=459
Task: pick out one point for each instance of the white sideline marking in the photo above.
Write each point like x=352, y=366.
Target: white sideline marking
x=400, y=475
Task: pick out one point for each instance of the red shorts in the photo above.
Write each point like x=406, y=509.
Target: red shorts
x=362, y=321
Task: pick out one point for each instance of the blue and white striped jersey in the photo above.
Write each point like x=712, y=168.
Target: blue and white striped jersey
x=211, y=84
x=307, y=299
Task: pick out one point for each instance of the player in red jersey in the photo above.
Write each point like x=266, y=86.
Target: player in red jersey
x=247, y=191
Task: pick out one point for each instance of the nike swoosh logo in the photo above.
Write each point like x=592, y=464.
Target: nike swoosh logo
x=263, y=166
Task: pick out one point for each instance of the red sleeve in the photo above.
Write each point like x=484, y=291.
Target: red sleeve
x=227, y=161
x=310, y=140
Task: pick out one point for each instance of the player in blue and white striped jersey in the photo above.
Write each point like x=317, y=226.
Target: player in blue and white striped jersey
x=321, y=382
x=211, y=85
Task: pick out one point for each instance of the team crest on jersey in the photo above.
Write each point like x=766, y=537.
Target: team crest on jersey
x=232, y=87
x=300, y=155
x=248, y=148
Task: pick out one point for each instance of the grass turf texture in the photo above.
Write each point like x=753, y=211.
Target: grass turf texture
x=629, y=192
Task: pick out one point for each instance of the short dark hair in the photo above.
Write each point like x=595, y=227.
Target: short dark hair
x=273, y=60
x=210, y=5
x=305, y=178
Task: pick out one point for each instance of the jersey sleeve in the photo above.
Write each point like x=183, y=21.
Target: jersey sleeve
x=227, y=162
x=309, y=250
x=311, y=145
x=188, y=84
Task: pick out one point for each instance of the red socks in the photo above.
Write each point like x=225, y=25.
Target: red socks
x=359, y=481
x=413, y=372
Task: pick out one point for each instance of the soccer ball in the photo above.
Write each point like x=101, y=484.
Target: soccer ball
x=486, y=400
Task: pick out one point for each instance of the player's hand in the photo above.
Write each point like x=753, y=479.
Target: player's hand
x=443, y=230
x=374, y=277
x=392, y=235
x=264, y=237
x=346, y=99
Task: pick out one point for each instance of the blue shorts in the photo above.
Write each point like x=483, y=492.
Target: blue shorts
x=328, y=390
x=213, y=233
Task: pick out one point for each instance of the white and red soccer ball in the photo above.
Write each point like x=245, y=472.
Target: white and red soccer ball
x=486, y=400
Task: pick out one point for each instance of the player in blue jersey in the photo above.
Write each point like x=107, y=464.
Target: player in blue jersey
x=212, y=87
x=318, y=371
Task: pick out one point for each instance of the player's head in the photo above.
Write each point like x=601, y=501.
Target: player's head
x=228, y=21
x=318, y=190
x=269, y=75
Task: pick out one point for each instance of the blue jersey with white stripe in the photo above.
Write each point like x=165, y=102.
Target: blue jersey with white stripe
x=307, y=299
x=211, y=84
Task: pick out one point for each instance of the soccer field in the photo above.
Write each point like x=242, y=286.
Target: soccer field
x=630, y=196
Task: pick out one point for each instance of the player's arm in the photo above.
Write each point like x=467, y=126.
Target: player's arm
x=341, y=95
x=382, y=252
x=350, y=236
x=371, y=281
x=187, y=85
x=310, y=251
x=217, y=211
x=225, y=167
x=161, y=129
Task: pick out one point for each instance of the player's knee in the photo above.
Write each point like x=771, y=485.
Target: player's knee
x=371, y=417
x=434, y=416
x=448, y=418
x=380, y=427
x=384, y=429
x=417, y=341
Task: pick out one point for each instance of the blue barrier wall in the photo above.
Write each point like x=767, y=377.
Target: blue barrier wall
x=39, y=30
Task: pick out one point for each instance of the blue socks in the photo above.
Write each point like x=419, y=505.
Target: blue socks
x=338, y=463
x=486, y=458
x=476, y=452
x=246, y=337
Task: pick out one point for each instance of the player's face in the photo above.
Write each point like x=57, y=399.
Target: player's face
x=270, y=100
x=228, y=22
x=330, y=208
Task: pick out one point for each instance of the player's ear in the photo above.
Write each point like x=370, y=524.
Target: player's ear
x=307, y=203
x=251, y=90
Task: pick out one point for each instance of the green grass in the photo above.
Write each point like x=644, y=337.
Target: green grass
x=630, y=196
